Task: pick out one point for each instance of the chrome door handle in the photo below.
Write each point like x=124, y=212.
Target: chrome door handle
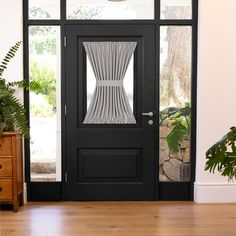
x=150, y=114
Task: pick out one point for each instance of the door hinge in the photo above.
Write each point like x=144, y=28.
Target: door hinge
x=65, y=110
x=66, y=177
x=65, y=41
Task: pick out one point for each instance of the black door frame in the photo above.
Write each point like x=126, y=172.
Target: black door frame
x=46, y=191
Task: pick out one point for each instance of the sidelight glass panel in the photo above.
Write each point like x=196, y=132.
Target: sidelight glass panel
x=110, y=9
x=108, y=65
x=176, y=9
x=175, y=103
x=44, y=9
x=45, y=107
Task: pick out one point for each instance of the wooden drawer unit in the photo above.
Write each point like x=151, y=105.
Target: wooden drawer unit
x=5, y=167
x=5, y=146
x=6, y=189
x=11, y=169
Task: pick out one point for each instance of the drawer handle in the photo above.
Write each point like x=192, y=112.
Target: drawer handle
x=0, y=166
x=0, y=189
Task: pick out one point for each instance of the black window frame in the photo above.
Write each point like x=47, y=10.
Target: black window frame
x=52, y=191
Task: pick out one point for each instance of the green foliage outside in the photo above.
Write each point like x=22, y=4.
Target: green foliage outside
x=38, y=13
x=48, y=46
x=43, y=53
x=42, y=40
x=46, y=78
x=83, y=12
x=222, y=156
x=180, y=120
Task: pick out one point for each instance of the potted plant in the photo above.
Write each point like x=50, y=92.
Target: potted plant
x=222, y=156
x=13, y=125
x=12, y=112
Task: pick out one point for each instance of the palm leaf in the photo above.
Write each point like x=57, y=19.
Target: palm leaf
x=33, y=86
x=12, y=112
x=9, y=56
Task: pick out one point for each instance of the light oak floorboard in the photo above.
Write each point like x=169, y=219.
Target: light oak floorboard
x=120, y=219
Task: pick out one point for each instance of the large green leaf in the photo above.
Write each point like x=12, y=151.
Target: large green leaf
x=175, y=136
x=222, y=156
x=180, y=120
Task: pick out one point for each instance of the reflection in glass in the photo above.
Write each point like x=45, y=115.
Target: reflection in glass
x=44, y=9
x=105, y=10
x=45, y=132
x=175, y=107
x=176, y=9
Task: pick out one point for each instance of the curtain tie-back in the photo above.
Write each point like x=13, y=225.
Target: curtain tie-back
x=109, y=83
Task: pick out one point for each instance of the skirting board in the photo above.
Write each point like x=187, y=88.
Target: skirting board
x=215, y=192
x=203, y=193
x=25, y=193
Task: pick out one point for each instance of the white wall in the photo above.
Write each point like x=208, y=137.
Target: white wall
x=216, y=92
x=216, y=82
x=11, y=21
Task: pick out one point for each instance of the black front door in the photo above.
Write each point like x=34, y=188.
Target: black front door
x=109, y=124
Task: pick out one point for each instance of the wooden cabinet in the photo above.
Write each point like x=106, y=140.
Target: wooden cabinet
x=11, y=169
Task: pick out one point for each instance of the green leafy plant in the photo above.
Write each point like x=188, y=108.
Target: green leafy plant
x=46, y=78
x=222, y=156
x=180, y=120
x=12, y=112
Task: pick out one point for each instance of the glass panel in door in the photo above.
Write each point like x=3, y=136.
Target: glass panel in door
x=109, y=74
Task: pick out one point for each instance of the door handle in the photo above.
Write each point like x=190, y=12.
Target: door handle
x=149, y=114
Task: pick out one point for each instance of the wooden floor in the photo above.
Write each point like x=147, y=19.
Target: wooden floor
x=120, y=219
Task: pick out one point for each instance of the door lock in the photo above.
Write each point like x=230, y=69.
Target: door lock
x=150, y=122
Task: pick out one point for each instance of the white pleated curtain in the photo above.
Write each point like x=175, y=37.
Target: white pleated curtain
x=109, y=103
